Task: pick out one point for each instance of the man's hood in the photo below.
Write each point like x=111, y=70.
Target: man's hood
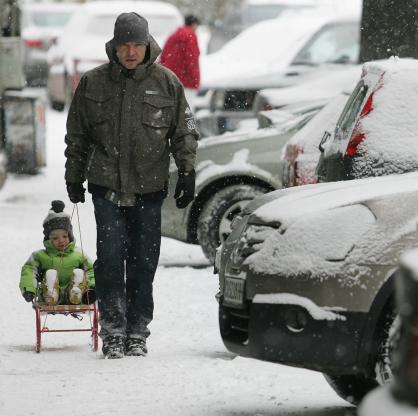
x=151, y=55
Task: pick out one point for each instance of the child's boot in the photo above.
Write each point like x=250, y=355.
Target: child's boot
x=78, y=286
x=50, y=287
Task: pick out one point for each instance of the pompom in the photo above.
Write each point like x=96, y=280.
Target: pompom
x=57, y=206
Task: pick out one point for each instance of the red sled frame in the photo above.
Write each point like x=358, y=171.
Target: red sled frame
x=74, y=310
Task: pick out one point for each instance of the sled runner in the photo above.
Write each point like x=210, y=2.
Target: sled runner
x=76, y=311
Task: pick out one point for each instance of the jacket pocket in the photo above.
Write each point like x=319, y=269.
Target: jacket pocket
x=100, y=106
x=157, y=111
x=101, y=115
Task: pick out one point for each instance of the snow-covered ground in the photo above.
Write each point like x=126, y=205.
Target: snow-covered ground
x=187, y=372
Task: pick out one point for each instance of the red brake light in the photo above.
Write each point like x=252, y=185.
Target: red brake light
x=33, y=43
x=368, y=107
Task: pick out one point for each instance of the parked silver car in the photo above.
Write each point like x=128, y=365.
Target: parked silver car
x=306, y=277
x=231, y=170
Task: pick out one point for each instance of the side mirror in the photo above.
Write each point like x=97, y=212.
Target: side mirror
x=324, y=139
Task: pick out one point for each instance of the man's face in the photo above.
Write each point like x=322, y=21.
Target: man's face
x=131, y=54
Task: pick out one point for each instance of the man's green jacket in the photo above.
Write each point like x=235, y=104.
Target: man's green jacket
x=122, y=126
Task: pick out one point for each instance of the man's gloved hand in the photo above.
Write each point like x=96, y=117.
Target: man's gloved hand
x=29, y=296
x=89, y=297
x=75, y=192
x=184, y=193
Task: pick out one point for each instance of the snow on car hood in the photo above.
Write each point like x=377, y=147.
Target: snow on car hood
x=316, y=229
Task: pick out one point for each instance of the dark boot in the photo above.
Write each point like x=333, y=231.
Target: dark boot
x=113, y=347
x=135, y=347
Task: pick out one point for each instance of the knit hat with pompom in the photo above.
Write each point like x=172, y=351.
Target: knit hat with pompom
x=57, y=219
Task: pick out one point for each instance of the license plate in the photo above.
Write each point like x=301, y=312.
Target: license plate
x=234, y=291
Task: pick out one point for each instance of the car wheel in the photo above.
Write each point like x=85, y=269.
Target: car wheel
x=353, y=387
x=214, y=224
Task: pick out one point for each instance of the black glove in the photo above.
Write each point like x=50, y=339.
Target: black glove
x=184, y=193
x=89, y=297
x=75, y=192
x=29, y=296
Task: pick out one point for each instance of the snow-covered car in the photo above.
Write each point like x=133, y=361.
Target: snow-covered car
x=376, y=133
x=231, y=170
x=306, y=277
x=276, y=53
x=301, y=154
x=42, y=24
x=325, y=87
x=82, y=44
x=249, y=13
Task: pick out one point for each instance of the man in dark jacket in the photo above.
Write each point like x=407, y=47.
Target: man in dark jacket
x=125, y=119
x=181, y=55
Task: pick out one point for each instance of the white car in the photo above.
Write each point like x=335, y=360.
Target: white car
x=41, y=25
x=82, y=45
x=275, y=53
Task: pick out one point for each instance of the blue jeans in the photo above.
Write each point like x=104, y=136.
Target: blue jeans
x=128, y=249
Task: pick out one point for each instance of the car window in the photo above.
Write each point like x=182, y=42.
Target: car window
x=335, y=43
x=349, y=115
x=49, y=19
x=103, y=25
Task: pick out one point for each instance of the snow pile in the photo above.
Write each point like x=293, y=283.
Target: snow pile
x=316, y=312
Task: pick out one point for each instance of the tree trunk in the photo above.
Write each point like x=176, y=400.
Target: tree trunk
x=389, y=28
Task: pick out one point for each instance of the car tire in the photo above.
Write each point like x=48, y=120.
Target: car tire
x=353, y=387
x=218, y=213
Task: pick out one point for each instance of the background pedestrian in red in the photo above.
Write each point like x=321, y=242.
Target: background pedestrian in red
x=181, y=55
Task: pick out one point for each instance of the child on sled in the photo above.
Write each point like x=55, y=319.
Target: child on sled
x=65, y=272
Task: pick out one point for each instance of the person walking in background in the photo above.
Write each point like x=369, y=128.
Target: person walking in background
x=124, y=120
x=181, y=55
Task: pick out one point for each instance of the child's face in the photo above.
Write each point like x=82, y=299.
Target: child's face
x=59, y=239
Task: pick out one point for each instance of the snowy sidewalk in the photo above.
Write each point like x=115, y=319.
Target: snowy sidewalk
x=187, y=372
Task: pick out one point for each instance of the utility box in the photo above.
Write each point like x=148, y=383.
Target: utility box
x=24, y=130
x=11, y=63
